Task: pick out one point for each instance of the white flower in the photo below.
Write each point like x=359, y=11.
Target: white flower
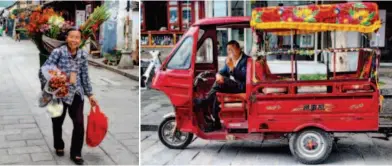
x=56, y=21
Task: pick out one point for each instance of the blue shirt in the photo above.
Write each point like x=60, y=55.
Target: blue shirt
x=64, y=61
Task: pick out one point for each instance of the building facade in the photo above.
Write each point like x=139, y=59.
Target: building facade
x=163, y=23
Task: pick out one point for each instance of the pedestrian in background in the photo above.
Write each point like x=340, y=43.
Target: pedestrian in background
x=73, y=61
x=17, y=33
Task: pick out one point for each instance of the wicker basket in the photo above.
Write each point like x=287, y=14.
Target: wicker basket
x=50, y=44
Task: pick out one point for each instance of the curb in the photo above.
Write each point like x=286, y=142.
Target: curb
x=130, y=76
x=148, y=127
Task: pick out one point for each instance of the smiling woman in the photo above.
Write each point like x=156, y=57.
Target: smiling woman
x=71, y=61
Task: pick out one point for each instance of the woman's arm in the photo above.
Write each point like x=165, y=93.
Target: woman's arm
x=86, y=83
x=52, y=60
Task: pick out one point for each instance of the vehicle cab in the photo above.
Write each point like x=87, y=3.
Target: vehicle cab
x=194, y=56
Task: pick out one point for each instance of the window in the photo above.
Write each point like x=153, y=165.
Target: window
x=220, y=8
x=182, y=57
x=187, y=14
x=237, y=34
x=237, y=8
x=222, y=38
x=205, y=52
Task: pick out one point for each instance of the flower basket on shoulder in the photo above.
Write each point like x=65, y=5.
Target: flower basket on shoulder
x=49, y=43
x=48, y=29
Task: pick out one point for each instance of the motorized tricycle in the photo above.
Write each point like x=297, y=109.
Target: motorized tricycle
x=276, y=105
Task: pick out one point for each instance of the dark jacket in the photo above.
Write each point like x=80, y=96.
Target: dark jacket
x=239, y=72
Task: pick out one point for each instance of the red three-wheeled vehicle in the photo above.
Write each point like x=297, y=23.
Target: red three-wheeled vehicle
x=276, y=105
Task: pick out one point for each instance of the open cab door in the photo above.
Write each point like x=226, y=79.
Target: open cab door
x=175, y=78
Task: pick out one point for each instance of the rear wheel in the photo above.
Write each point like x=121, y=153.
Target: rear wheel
x=172, y=137
x=311, y=146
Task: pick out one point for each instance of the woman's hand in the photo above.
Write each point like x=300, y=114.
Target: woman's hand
x=93, y=101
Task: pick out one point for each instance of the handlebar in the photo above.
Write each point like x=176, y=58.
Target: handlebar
x=201, y=77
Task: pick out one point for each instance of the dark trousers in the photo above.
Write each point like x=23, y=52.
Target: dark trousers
x=228, y=86
x=76, y=113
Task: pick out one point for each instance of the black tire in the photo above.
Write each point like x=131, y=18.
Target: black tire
x=149, y=81
x=183, y=145
x=142, y=82
x=326, y=141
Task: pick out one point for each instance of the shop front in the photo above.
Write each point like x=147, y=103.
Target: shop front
x=164, y=22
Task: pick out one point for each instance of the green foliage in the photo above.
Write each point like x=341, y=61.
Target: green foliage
x=309, y=77
x=371, y=16
x=17, y=11
x=352, y=12
x=359, y=5
x=381, y=83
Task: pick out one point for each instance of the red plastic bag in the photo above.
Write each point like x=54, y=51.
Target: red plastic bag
x=97, y=126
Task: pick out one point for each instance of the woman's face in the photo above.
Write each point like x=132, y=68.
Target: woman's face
x=74, y=39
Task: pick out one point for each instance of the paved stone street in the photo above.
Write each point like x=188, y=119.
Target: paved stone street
x=351, y=149
x=26, y=129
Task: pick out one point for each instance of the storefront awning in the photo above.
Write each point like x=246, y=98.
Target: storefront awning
x=356, y=16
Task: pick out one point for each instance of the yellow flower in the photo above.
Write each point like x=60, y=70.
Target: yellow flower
x=361, y=15
x=254, y=13
x=304, y=13
x=289, y=19
x=345, y=21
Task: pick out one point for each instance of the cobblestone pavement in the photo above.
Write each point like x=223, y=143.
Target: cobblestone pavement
x=25, y=129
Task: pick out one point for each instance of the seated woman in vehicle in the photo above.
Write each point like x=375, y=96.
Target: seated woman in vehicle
x=230, y=79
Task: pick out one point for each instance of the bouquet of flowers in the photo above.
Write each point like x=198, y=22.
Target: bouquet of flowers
x=55, y=88
x=47, y=29
x=57, y=84
x=90, y=27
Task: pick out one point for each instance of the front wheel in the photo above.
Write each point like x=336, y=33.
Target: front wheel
x=172, y=137
x=311, y=146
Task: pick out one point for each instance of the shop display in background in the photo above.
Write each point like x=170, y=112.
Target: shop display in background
x=163, y=40
x=171, y=20
x=144, y=40
x=160, y=39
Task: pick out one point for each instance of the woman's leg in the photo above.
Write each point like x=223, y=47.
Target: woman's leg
x=76, y=114
x=57, y=124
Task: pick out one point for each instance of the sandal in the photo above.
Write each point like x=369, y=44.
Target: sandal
x=60, y=152
x=77, y=160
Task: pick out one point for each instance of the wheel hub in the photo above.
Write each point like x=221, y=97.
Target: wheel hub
x=173, y=136
x=311, y=144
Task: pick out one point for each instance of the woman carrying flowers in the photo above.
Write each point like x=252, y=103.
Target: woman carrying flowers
x=73, y=62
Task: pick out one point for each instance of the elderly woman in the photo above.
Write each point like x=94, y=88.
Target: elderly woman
x=73, y=61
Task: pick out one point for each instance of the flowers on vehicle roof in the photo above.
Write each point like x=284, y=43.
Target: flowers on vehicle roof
x=362, y=17
x=306, y=14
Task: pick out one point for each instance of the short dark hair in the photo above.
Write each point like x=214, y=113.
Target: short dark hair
x=73, y=29
x=234, y=43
